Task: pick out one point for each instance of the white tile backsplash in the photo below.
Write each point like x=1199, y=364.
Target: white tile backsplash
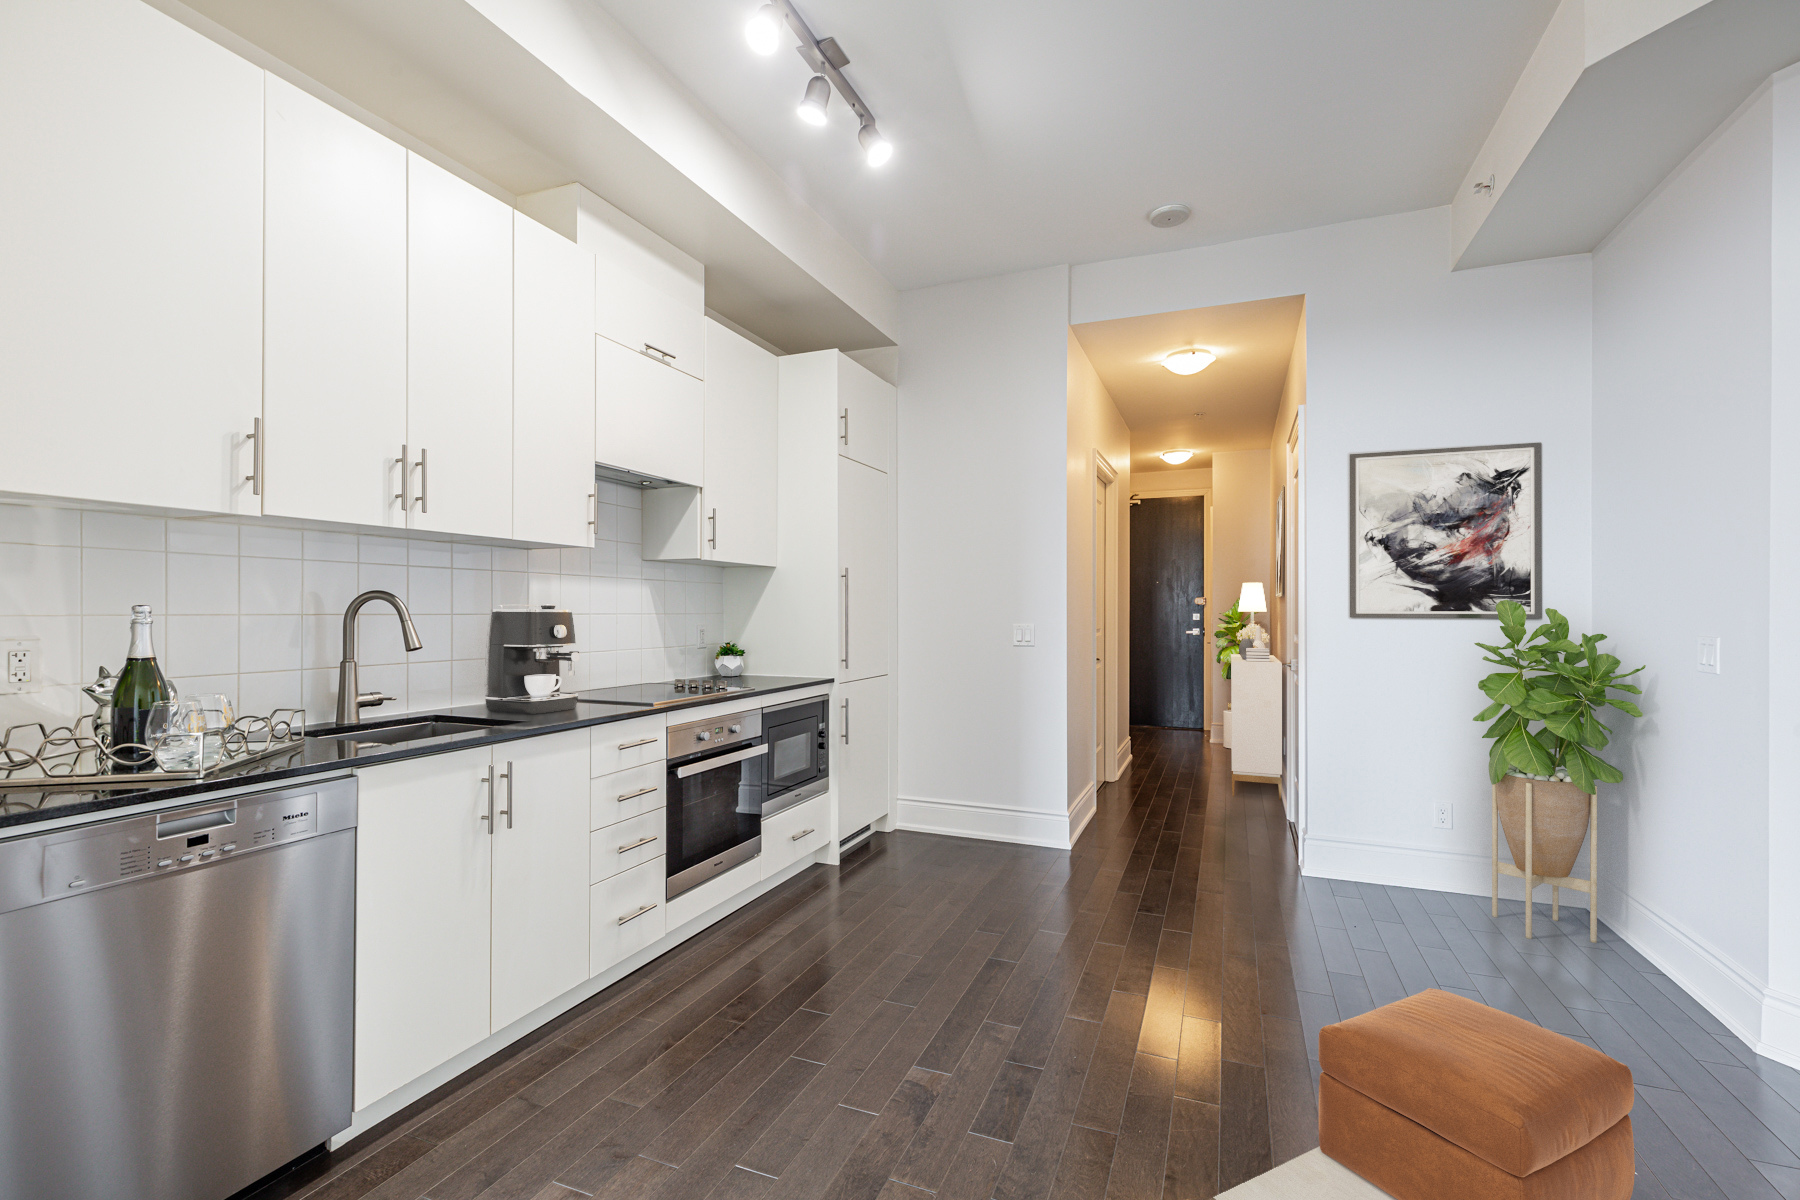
x=256, y=611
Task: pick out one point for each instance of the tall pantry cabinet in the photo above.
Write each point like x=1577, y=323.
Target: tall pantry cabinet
x=829, y=609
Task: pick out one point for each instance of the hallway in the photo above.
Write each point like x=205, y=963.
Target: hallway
x=974, y=1020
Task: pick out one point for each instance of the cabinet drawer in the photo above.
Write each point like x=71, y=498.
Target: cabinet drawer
x=794, y=834
x=626, y=794
x=625, y=913
x=625, y=744
x=625, y=845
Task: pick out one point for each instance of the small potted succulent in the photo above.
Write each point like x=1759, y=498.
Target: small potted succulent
x=729, y=661
x=1559, y=685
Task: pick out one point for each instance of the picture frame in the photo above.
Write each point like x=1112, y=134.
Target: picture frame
x=1447, y=532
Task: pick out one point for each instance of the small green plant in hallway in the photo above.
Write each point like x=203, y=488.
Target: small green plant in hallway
x=1231, y=624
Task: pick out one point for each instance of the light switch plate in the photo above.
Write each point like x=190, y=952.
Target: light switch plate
x=1709, y=655
x=1024, y=635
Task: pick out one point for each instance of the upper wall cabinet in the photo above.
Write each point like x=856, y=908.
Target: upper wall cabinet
x=732, y=519
x=553, y=387
x=865, y=416
x=459, y=351
x=648, y=418
x=334, y=321
x=130, y=255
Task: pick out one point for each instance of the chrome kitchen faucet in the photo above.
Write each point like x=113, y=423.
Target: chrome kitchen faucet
x=351, y=701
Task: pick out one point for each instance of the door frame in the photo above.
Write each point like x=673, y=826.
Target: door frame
x=1109, y=758
x=1295, y=781
x=1208, y=685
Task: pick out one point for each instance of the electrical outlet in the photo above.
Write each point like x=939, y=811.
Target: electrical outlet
x=1024, y=635
x=22, y=671
x=1709, y=655
x=1443, y=816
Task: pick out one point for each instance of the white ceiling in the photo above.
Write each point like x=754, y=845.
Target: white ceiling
x=1231, y=405
x=1031, y=132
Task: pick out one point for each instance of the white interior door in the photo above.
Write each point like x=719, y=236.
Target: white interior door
x=334, y=314
x=540, y=925
x=459, y=313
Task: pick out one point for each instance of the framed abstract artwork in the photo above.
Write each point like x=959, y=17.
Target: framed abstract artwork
x=1446, y=533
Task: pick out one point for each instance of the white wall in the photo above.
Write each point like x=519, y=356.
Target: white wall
x=1242, y=528
x=1180, y=479
x=1096, y=428
x=984, y=544
x=1682, y=375
x=1401, y=354
x=255, y=610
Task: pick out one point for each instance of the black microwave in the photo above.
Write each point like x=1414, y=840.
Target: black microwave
x=798, y=766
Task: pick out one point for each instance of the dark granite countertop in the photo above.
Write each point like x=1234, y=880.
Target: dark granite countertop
x=319, y=755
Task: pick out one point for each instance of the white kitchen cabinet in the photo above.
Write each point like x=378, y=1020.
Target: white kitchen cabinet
x=624, y=745
x=624, y=845
x=623, y=795
x=424, y=875
x=552, y=439
x=626, y=913
x=859, y=765
x=334, y=315
x=866, y=409
x=865, y=570
x=732, y=518
x=794, y=834
x=649, y=418
x=540, y=913
x=459, y=352
x=130, y=255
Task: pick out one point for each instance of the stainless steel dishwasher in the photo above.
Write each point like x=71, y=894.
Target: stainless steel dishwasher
x=176, y=996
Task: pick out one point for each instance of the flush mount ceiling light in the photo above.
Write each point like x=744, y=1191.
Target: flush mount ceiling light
x=818, y=95
x=1189, y=362
x=764, y=30
x=1175, y=457
x=1168, y=216
x=827, y=60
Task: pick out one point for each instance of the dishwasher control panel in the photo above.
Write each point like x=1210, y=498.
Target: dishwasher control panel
x=163, y=843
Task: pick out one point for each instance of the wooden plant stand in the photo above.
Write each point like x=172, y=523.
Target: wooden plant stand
x=1590, y=885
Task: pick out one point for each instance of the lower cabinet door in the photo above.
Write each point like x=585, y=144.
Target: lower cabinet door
x=794, y=834
x=540, y=872
x=860, y=752
x=423, y=883
x=623, y=846
x=626, y=794
x=626, y=914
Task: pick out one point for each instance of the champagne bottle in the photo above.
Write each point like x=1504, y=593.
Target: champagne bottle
x=141, y=684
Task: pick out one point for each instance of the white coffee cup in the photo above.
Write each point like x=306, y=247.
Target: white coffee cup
x=542, y=685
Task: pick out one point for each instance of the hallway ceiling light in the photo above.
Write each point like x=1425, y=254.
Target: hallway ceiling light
x=1189, y=362
x=1175, y=457
x=764, y=30
x=818, y=95
x=875, y=147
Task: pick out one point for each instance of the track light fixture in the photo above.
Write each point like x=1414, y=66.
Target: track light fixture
x=818, y=95
x=827, y=60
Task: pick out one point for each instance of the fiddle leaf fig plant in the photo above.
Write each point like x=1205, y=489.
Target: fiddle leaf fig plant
x=1558, y=684
x=1231, y=624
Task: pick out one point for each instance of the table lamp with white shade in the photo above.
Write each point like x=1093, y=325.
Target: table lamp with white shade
x=1250, y=602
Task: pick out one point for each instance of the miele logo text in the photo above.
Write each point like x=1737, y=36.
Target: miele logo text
x=295, y=816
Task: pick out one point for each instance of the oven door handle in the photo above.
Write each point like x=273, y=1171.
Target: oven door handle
x=723, y=760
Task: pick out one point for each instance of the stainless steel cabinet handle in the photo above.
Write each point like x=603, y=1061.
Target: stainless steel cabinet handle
x=663, y=354
x=844, y=659
x=593, y=512
x=636, y=794
x=844, y=722
x=507, y=812
x=488, y=816
x=645, y=841
x=713, y=538
x=800, y=835
x=401, y=495
x=634, y=916
x=254, y=478
x=844, y=436
x=424, y=482
x=639, y=742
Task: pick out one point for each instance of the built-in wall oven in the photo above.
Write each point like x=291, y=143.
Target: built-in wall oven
x=716, y=787
x=727, y=773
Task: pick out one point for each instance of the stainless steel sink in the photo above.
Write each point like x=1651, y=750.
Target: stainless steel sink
x=409, y=729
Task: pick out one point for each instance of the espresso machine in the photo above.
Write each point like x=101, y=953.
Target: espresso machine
x=528, y=641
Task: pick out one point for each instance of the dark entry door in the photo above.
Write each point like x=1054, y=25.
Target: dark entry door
x=1168, y=662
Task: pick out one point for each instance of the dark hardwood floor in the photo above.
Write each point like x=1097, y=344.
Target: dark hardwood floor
x=1136, y=1019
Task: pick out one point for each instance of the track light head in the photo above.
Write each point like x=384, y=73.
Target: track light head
x=876, y=148
x=818, y=95
x=764, y=30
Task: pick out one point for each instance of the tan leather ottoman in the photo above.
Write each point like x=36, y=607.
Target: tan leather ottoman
x=1436, y=1096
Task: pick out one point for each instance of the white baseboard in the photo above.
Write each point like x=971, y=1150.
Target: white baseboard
x=989, y=822
x=1122, y=759
x=1417, y=867
x=1082, y=811
x=1218, y=732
